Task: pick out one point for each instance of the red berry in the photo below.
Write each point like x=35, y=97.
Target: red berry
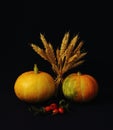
x=55, y=111
x=53, y=106
x=61, y=110
x=47, y=108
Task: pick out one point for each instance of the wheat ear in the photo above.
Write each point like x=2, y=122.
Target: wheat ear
x=67, y=57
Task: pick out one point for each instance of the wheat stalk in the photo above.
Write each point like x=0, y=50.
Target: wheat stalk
x=64, y=43
x=78, y=47
x=71, y=46
x=67, y=57
x=39, y=51
x=52, y=53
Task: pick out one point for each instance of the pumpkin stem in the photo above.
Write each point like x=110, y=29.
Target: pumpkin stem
x=35, y=68
x=78, y=73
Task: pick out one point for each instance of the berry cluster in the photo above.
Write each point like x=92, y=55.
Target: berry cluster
x=53, y=108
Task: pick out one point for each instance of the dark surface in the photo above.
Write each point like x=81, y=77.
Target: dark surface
x=93, y=22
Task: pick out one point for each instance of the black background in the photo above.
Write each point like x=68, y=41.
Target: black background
x=23, y=23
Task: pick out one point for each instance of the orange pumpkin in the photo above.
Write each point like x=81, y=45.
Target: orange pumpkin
x=80, y=87
x=33, y=86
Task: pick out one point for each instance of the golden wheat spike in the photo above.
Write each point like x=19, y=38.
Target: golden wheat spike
x=72, y=58
x=71, y=46
x=43, y=40
x=39, y=51
x=52, y=54
x=76, y=57
x=76, y=64
x=81, y=56
x=48, y=50
x=73, y=42
x=71, y=66
x=48, y=53
x=57, y=54
x=78, y=47
x=64, y=43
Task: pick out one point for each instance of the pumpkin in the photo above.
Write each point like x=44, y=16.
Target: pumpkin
x=80, y=87
x=34, y=86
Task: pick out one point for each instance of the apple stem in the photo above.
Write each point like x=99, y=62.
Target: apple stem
x=35, y=68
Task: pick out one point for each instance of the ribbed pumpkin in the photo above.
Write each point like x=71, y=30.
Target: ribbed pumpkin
x=33, y=86
x=80, y=87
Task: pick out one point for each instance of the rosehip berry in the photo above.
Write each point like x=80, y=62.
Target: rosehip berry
x=47, y=108
x=53, y=106
x=55, y=111
x=61, y=110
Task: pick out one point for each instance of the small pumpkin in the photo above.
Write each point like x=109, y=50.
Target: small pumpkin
x=80, y=87
x=34, y=86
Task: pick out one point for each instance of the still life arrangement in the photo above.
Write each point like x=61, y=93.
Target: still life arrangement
x=47, y=94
